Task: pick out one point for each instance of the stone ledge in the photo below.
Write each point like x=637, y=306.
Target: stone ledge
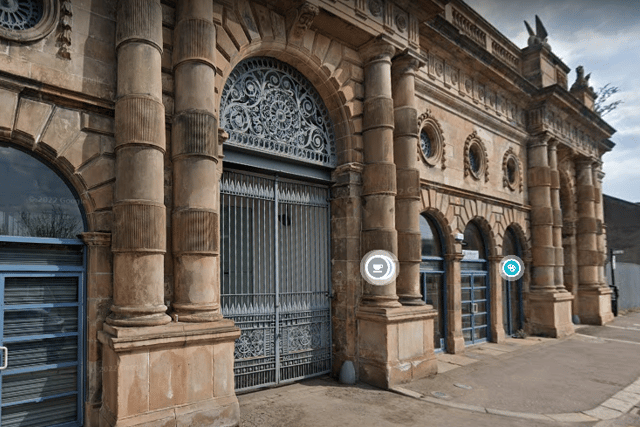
x=122, y=339
x=396, y=315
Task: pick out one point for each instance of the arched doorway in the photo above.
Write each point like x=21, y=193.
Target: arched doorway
x=512, y=310
x=275, y=223
x=474, y=281
x=42, y=270
x=432, y=278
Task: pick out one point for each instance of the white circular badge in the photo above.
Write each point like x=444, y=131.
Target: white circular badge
x=379, y=267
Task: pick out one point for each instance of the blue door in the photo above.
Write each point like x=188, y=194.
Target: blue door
x=475, y=307
x=41, y=332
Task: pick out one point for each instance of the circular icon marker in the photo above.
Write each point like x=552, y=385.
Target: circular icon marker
x=379, y=267
x=511, y=268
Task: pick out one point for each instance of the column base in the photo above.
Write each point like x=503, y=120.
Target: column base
x=177, y=374
x=413, y=300
x=395, y=345
x=382, y=301
x=595, y=305
x=550, y=314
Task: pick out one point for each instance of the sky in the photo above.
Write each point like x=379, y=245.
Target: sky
x=604, y=37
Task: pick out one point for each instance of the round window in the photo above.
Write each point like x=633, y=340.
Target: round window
x=475, y=159
x=425, y=144
x=512, y=169
x=28, y=20
x=20, y=14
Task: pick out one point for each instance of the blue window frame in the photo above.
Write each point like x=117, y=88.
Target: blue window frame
x=474, y=280
x=433, y=278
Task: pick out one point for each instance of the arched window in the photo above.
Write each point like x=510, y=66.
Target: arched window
x=34, y=200
x=432, y=277
x=512, y=313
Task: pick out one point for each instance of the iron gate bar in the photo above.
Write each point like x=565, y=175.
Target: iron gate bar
x=277, y=286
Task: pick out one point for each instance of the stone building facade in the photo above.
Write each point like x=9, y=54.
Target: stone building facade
x=193, y=184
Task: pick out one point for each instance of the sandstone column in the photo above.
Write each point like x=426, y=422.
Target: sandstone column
x=496, y=325
x=595, y=301
x=550, y=309
x=139, y=237
x=408, y=179
x=379, y=174
x=195, y=223
x=557, y=215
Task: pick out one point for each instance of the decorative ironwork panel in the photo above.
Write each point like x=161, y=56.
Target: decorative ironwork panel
x=269, y=106
x=275, y=277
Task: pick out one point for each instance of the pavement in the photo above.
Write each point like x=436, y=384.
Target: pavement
x=589, y=379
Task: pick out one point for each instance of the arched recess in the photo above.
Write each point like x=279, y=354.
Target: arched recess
x=42, y=286
x=330, y=66
x=513, y=291
x=433, y=272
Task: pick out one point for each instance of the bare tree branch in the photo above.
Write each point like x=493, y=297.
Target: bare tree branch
x=603, y=94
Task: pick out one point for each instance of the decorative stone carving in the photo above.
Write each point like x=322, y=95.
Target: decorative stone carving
x=268, y=106
x=64, y=29
x=431, y=145
x=476, y=158
x=375, y=7
x=304, y=17
x=582, y=81
x=401, y=22
x=28, y=20
x=512, y=170
x=539, y=37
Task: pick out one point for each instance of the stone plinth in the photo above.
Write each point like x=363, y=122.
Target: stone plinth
x=550, y=314
x=176, y=374
x=395, y=344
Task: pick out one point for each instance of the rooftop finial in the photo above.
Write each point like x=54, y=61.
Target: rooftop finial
x=539, y=36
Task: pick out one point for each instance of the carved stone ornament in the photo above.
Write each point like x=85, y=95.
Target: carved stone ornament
x=431, y=145
x=64, y=29
x=269, y=107
x=401, y=22
x=304, y=17
x=375, y=6
x=512, y=171
x=476, y=159
x=28, y=20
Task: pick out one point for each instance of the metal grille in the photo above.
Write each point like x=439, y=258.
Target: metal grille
x=275, y=277
x=268, y=106
x=20, y=14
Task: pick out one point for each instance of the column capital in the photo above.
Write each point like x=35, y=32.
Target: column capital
x=92, y=238
x=456, y=256
x=377, y=49
x=586, y=163
x=553, y=143
x=542, y=139
x=406, y=62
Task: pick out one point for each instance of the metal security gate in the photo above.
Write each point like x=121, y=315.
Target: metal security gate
x=41, y=332
x=276, y=277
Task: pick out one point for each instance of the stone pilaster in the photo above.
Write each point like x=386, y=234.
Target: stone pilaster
x=495, y=300
x=455, y=339
x=407, y=178
x=195, y=220
x=554, y=189
x=550, y=310
x=379, y=174
x=598, y=176
x=139, y=237
x=595, y=300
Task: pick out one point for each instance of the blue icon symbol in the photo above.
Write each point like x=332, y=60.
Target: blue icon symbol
x=511, y=268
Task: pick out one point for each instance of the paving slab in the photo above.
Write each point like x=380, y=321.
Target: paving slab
x=484, y=350
x=618, y=405
x=603, y=413
x=573, y=417
x=456, y=359
x=524, y=415
x=444, y=366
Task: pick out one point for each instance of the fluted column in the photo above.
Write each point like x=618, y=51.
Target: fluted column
x=543, y=251
x=586, y=227
x=408, y=179
x=195, y=221
x=557, y=216
x=139, y=237
x=379, y=174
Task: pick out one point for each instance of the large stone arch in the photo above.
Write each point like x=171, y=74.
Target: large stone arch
x=333, y=69
x=78, y=145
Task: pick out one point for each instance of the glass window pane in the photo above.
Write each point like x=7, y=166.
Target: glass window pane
x=431, y=265
x=40, y=290
x=34, y=200
x=480, y=333
x=466, y=294
x=33, y=385
x=43, y=352
x=480, y=320
x=466, y=307
x=473, y=240
x=477, y=266
x=40, y=414
x=467, y=334
x=509, y=244
x=39, y=321
x=430, y=240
